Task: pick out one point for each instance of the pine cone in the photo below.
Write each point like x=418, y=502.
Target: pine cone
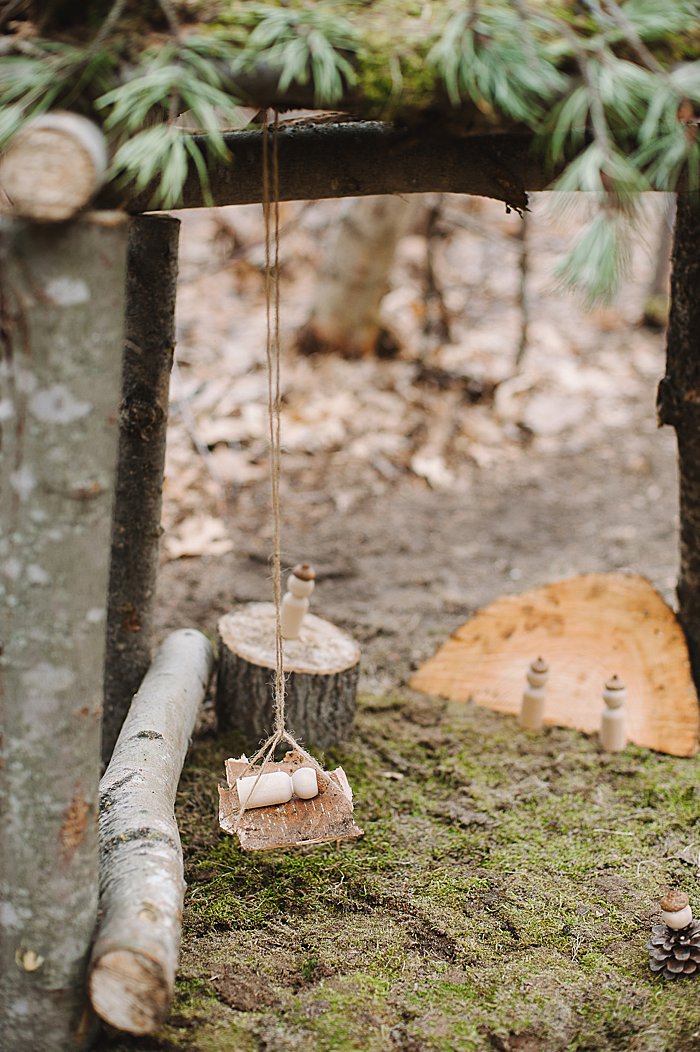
x=675, y=953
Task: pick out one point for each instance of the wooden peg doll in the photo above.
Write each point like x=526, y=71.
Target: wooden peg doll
x=532, y=708
x=295, y=604
x=613, y=737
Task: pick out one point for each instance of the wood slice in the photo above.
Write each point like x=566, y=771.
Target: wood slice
x=299, y=823
x=587, y=628
x=321, y=670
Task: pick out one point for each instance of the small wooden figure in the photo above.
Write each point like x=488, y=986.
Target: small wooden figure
x=613, y=737
x=277, y=787
x=295, y=604
x=532, y=709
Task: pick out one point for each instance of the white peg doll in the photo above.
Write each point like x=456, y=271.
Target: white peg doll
x=295, y=604
x=532, y=707
x=277, y=787
x=612, y=725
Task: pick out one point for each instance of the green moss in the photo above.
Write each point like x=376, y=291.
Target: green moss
x=503, y=893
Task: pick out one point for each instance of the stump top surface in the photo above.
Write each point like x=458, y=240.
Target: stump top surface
x=299, y=823
x=322, y=648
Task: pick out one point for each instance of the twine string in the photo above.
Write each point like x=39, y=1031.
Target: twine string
x=271, y=216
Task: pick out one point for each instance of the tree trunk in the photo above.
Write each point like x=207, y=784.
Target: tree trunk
x=132, y=972
x=353, y=278
x=321, y=667
x=679, y=406
x=148, y=358
x=62, y=292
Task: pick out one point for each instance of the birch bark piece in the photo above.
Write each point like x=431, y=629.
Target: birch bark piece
x=143, y=418
x=62, y=291
x=134, y=959
x=53, y=167
x=298, y=823
x=586, y=627
x=322, y=668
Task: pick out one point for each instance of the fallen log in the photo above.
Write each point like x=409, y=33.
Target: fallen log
x=134, y=959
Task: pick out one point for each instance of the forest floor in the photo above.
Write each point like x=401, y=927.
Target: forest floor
x=505, y=888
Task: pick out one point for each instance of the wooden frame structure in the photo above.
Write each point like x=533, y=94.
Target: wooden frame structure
x=75, y=434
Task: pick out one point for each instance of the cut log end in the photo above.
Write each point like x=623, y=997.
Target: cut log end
x=53, y=167
x=322, y=668
x=130, y=991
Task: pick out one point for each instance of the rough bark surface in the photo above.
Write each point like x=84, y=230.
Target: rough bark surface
x=322, y=669
x=62, y=296
x=132, y=970
x=679, y=406
x=148, y=358
x=351, y=160
x=353, y=278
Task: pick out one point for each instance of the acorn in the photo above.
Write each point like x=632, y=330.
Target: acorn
x=674, y=947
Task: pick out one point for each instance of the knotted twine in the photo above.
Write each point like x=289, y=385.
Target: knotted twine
x=271, y=215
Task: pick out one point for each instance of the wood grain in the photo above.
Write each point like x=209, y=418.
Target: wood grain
x=587, y=628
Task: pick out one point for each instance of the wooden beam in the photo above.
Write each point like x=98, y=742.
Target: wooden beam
x=356, y=159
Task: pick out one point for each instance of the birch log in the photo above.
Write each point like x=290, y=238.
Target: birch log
x=148, y=357
x=62, y=296
x=53, y=167
x=134, y=960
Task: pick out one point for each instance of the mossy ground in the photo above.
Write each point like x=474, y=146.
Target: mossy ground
x=501, y=899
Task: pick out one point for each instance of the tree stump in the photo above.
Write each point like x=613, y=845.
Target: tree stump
x=321, y=670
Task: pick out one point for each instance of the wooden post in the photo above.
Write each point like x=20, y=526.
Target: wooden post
x=62, y=297
x=148, y=358
x=679, y=406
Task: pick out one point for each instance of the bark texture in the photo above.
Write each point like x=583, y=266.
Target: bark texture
x=132, y=971
x=353, y=278
x=351, y=160
x=322, y=669
x=148, y=358
x=679, y=406
x=62, y=295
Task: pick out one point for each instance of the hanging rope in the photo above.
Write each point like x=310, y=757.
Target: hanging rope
x=271, y=216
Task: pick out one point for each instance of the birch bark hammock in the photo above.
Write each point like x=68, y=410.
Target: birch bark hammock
x=134, y=960
x=62, y=295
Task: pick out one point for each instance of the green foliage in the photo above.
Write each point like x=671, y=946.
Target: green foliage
x=493, y=58
x=306, y=46
x=180, y=76
x=602, y=85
